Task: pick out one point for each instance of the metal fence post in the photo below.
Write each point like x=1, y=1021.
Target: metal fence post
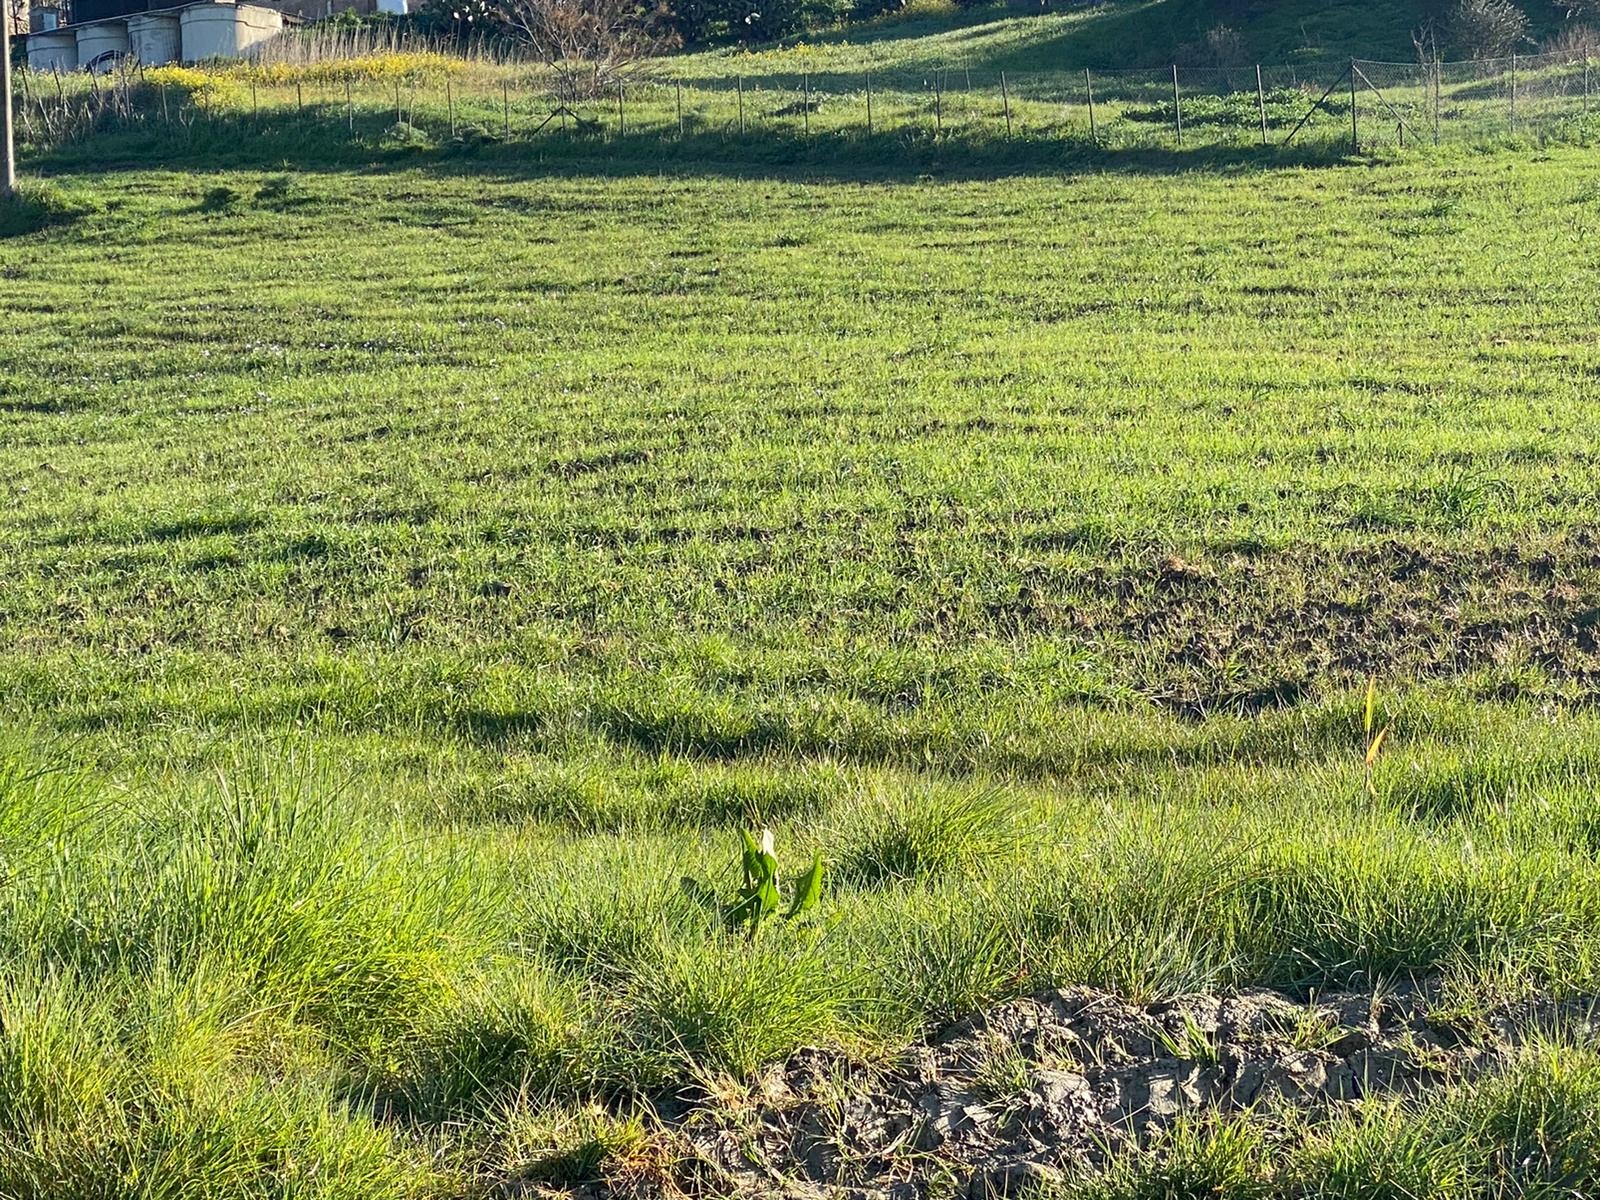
x=1261, y=103
x=678, y=85
x=1438, y=94
x=1005, y=98
x=938, y=104
x=1513, y=92
x=1177, y=105
x=869, y=103
x=1355, y=130
x=1088, y=89
x=805, y=107
x=505, y=107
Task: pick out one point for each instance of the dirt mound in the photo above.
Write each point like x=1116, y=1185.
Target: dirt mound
x=1058, y=1083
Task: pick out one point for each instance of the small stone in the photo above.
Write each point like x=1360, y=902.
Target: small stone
x=1349, y=1041
x=1248, y=1079
x=1310, y=1075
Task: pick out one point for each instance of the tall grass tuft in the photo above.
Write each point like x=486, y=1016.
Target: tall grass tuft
x=729, y=1006
x=924, y=833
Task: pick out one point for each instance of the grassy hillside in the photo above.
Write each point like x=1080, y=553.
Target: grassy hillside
x=414, y=571
x=1136, y=33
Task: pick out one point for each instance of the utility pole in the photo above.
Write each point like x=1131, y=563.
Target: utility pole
x=8, y=145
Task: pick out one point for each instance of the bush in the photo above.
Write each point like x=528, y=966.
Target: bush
x=1487, y=28
x=1222, y=46
x=403, y=135
x=1574, y=40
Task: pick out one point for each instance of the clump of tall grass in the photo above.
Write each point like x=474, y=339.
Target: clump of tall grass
x=37, y=205
x=729, y=1006
x=517, y=1034
x=133, y=1090
x=922, y=833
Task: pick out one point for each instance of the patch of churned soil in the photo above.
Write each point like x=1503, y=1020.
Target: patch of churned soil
x=1054, y=1086
x=1250, y=630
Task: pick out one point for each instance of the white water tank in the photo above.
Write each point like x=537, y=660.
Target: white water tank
x=153, y=38
x=225, y=30
x=55, y=51
x=393, y=8
x=101, y=37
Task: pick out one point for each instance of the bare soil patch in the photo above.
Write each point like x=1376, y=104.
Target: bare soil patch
x=1052, y=1087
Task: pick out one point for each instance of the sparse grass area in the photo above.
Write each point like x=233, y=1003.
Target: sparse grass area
x=411, y=574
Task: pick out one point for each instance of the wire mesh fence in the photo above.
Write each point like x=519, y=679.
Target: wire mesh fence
x=1362, y=104
x=1544, y=95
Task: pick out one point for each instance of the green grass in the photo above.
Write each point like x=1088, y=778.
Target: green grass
x=414, y=569
x=1123, y=34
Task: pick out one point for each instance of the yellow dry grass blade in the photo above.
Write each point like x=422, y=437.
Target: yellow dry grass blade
x=1375, y=746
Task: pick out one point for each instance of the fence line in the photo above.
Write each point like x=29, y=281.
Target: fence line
x=1364, y=103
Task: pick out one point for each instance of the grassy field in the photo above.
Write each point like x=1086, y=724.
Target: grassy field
x=412, y=570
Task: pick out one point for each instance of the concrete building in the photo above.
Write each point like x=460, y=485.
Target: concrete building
x=154, y=37
x=150, y=35
x=52, y=50
x=225, y=30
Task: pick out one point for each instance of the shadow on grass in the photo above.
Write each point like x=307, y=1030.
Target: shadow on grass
x=1062, y=36
x=38, y=206
x=902, y=154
